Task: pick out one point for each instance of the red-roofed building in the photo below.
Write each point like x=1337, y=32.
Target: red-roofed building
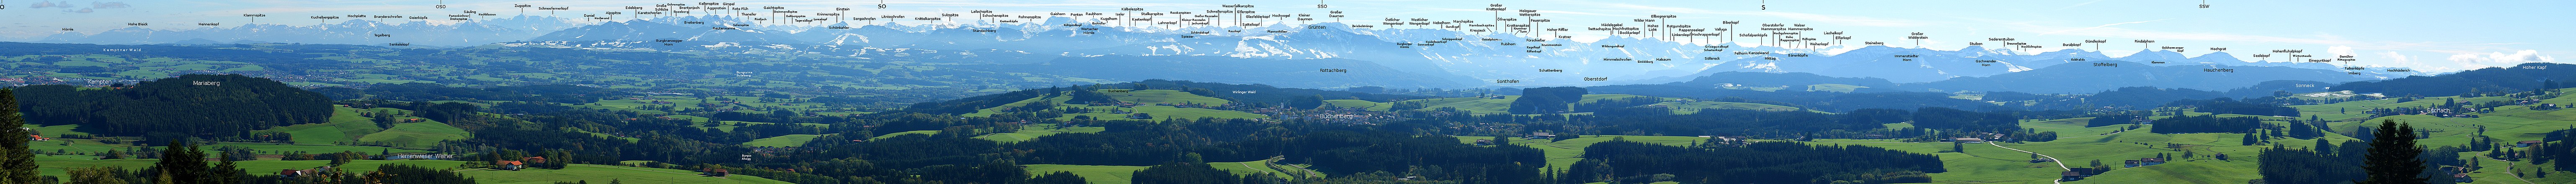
x=510, y=165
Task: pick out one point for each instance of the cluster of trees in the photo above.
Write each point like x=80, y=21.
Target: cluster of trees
x=2392, y=157
x=177, y=108
x=1176, y=143
x=1194, y=173
x=1815, y=100
x=1947, y=118
x=1544, y=100
x=1660, y=121
x=1081, y=95
x=17, y=163
x=2486, y=81
x=2206, y=124
x=2144, y=97
x=186, y=163
x=1759, y=162
x=2556, y=150
x=1598, y=105
x=1262, y=96
x=556, y=93
x=2108, y=120
x=2229, y=106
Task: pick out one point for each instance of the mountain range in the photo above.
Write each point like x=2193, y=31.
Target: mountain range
x=1428, y=56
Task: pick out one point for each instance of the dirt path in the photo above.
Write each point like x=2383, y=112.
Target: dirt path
x=2061, y=164
x=2508, y=166
x=2112, y=133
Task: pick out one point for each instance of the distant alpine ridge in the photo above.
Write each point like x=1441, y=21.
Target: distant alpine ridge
x=1439, y=57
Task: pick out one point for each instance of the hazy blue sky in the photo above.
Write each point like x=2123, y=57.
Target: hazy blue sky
x=2427, y=35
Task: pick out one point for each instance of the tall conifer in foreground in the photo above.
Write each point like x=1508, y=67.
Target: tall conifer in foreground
x=17, y=164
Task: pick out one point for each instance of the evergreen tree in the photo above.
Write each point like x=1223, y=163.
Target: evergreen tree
x=226, y=172
x=97, y=175
x=17, y=164
x=1059, y=177
x=1183, y=173
x=2392, y=156
x=383, y=120
x=1307, y=102
x=2249, y=139
x=2323, y=148
x=2301, y=129
x=182, y=163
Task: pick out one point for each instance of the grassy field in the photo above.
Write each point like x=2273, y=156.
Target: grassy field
x=348, y=127
x=1142, y=96
x=783, y=140
x=1599, y=97
x=1256, y=167
x=1166, y=112
x=924, y=132
x=88, y=146
x=268, y=148
x=1026, y=132
x=1694, y=107
x=1846, y=88
x=1561, y=154
x=1481, y=105
x=56, y=165
x=1472, y=104
x=1112, y=174
x=1037, y=130
x=345, y=127
x=415, y=134
x=1364, y=104
x=1991, y=164
x=53, y=131
x=603, y=173
x=1096, y=174
x=746, y=103
x=1157, y=96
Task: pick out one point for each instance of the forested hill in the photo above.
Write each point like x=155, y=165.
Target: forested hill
x=1252, y=94
x=185, y=106
x=2523, y=77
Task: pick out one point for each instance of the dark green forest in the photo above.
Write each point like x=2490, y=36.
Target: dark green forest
x=177, y=108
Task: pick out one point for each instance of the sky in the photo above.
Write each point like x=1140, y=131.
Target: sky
x=2433, y=36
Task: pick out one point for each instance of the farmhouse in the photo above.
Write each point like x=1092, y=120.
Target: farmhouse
x=714, y=172
x=2526, y=143
x=510, y=165
x=291, y=173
